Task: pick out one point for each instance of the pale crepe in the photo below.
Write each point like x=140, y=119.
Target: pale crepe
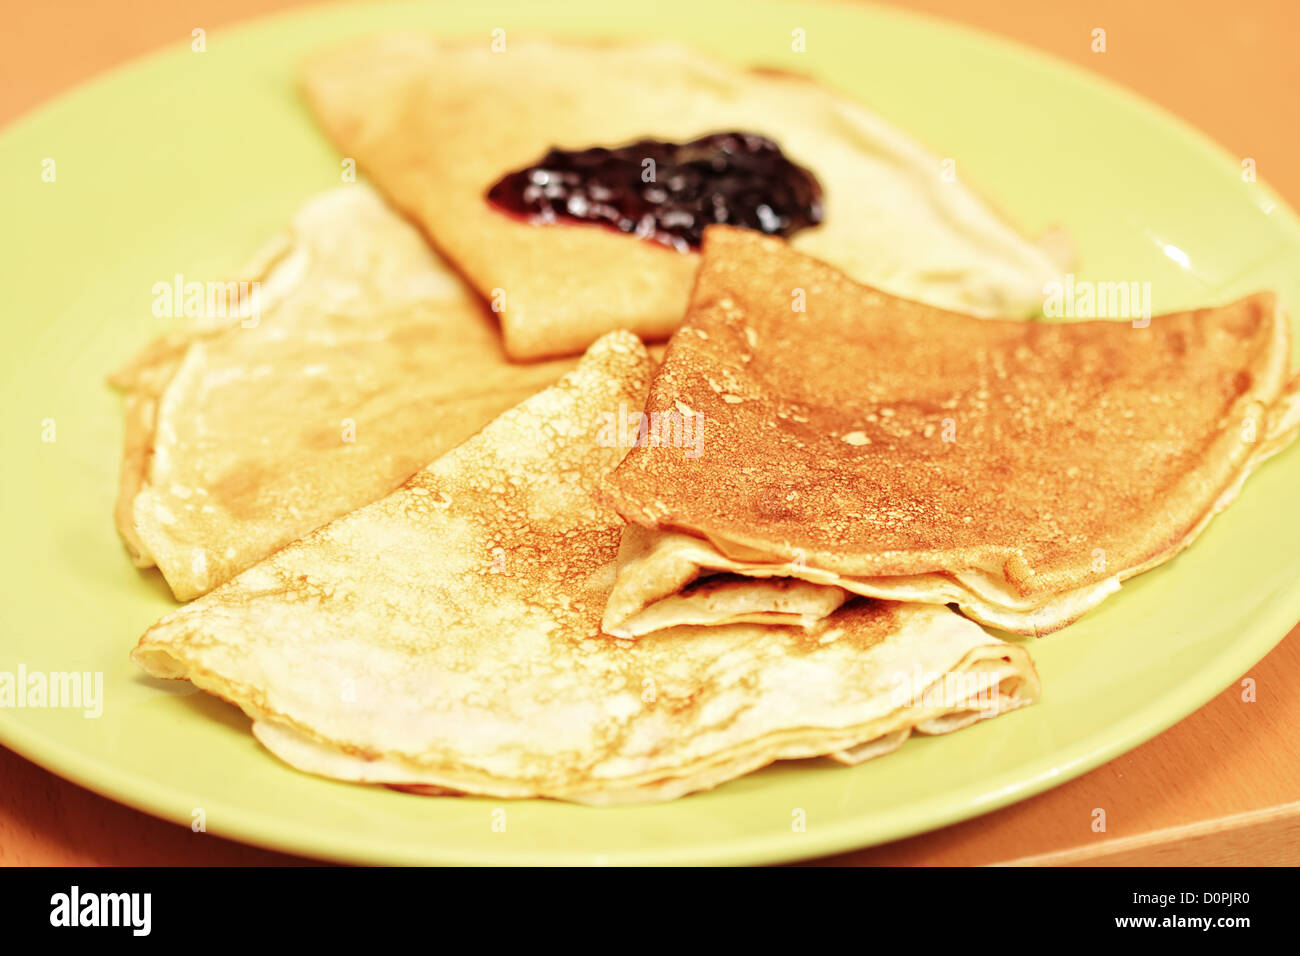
x=1080, y=454
x=366, y=359
x=435, y=123
x=447, y=636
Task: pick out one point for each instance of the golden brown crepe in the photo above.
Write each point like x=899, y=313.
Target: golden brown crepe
x=882, y=447
x=366, y=359
x=435, y=123
x=447, y=636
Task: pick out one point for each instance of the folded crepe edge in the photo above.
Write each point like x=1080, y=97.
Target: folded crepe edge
x=1004, y=680
x=143, y=381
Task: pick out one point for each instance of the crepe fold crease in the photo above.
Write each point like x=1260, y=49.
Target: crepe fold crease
x=355, y=359
x=446, y=638
x=435, y=123
x=875, y=446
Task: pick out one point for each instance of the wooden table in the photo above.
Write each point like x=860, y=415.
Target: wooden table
x=1221, y=787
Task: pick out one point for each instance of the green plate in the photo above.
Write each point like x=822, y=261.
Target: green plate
x=185, y=162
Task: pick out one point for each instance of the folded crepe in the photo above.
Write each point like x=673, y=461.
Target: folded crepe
x=876, y=446
x=360, y=358
x=435, y=123
x=446, y=638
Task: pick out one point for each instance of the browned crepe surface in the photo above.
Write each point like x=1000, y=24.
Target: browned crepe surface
x=874, y=436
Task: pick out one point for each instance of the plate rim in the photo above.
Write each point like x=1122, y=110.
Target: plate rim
x=1271, y=622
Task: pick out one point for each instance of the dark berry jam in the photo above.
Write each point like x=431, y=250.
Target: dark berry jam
x=668, y=192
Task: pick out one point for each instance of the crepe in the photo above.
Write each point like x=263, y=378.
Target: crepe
x=446, y=638
x=435, y=123
x=366, y=359
x=882, y=447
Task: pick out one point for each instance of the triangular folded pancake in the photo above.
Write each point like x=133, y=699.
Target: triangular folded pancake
x=367, y=359
x=447, y=637
x=435, y=123
x=886, y=448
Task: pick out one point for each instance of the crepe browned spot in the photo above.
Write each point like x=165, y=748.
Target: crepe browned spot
x=435, y=123
x=367, y=358
x=883, y=447
x=448, y=636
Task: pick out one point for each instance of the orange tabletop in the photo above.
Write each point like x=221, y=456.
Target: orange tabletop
x=1221, y=787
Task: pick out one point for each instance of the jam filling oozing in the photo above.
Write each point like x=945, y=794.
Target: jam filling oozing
x=668, y=192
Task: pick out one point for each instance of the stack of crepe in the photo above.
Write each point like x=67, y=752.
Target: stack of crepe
x=880, y=447
x=793, y=550
x=447, y=636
